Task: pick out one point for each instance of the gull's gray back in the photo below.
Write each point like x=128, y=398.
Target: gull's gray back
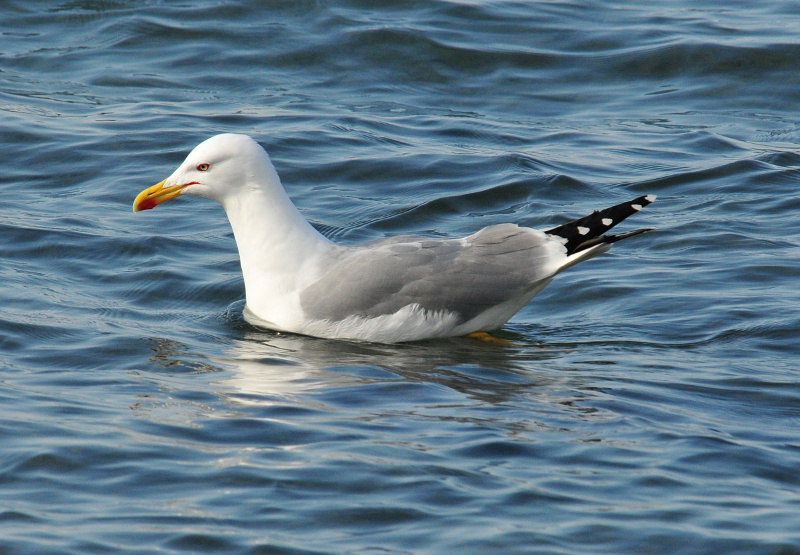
x=463, y=276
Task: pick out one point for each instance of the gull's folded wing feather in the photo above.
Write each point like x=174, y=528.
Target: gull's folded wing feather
x=461, y=276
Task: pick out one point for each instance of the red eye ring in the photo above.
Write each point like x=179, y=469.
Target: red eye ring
x=203, y=167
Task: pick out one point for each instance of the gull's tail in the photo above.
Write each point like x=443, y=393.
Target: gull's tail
x=588, y=231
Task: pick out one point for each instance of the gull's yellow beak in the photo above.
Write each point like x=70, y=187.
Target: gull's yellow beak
x=155, y=195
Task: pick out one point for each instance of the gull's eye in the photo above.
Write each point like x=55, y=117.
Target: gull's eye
x=203, y=167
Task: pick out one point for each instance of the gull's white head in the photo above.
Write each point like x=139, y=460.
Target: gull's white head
x=219, y=168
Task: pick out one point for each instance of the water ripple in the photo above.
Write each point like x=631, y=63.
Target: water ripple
x=647, y=401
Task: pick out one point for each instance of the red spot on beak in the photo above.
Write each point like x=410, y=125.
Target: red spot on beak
x=147, y=205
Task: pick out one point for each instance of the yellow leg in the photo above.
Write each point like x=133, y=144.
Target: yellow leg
x=483, y=336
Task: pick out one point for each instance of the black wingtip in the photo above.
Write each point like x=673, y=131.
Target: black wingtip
x=608, y=239
x=588, y=231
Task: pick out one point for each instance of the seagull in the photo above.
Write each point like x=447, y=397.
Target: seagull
x=397, y=289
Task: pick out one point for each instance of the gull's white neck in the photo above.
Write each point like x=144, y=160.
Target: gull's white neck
x=278, y=249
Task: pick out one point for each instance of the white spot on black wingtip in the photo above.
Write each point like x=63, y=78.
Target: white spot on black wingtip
x=636, y=207
x=607, y=221
x=583, y=230
x=650, y=198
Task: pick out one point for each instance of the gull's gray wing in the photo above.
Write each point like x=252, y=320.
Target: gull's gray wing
x=463, y=276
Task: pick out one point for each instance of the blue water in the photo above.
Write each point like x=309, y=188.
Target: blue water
x=649, y=402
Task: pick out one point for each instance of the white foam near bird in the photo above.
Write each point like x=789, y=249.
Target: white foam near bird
x=396, y=289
